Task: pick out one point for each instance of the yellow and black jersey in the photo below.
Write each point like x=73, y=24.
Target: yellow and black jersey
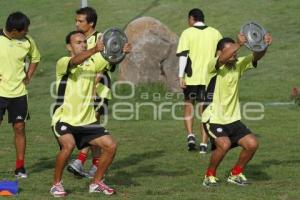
x=199, y=44
x=13, y=53
x=222, y=95
x=75, y=88
x=102, y=88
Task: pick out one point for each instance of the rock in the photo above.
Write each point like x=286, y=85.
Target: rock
x=153, y=57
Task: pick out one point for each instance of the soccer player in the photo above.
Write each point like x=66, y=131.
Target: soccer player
x=222, y=115
x=74, y=121
x=16, y=47
x=86, y=21
x=197, y=46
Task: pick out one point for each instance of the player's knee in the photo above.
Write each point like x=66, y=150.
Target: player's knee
x=252, y=144
x=68, y=146
x=19, y=128
x=112, y=147
x=224, y=145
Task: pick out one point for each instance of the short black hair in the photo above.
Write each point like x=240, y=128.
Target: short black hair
x=91, y=15
x=18, y=21
x=221, y=44
x=68, y=37
x=197, y=14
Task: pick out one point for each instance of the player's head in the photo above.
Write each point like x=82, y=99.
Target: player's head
x=17, y=25
x=76, y=42
x=224, y=44
x=195, y=15
x=86, y=19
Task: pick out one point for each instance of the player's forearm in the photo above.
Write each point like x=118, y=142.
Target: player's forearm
x=80, y=58
x=31, y=69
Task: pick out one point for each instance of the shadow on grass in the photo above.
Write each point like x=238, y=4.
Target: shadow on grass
x=256, y=171
x=126, y=177
x=42, y=164
x=7, y=172
x=134, y=159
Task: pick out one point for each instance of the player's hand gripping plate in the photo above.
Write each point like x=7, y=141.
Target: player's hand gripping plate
x=255, y=36
x=114, y=40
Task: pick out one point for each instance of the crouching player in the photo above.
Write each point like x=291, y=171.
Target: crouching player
x=222, y=112
x=74, y=120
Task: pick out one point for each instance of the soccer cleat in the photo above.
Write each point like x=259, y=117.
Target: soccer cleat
x=191, y=142
x=58, y=190
x=203, y=149
x=100, y=186
x=210, y=181
x=75, y=167
x=92, y=171
x=20, y=173
x=239, y=179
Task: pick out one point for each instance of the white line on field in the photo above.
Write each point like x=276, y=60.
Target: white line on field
x=279, y=103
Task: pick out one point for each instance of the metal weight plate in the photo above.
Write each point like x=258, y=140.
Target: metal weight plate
x=255, y=36
x=114, y=40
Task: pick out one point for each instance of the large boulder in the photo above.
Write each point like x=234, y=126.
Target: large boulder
x=153, y=57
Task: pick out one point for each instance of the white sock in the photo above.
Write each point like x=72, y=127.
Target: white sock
x=203, y=144
x=191, y=134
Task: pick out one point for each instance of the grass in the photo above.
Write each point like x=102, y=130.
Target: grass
x=152, y=161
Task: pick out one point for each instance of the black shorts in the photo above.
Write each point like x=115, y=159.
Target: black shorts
x=82, y=134
x=17, y=109
x=235, y=131
x=194, y=92
x=101, y=105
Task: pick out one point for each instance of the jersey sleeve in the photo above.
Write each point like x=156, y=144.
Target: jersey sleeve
x=211, y=67
x=33, y=54
x=62, y=66
x=100, y=63
x=183, y=44
x=245, y=63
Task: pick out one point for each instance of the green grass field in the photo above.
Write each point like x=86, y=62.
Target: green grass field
x=152, y=161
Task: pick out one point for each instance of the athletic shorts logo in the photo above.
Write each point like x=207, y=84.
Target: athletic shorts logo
x=19, y=117
x=219, y=130
x=63, y=128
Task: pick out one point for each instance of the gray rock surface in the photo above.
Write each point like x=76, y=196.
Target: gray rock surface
x=153, y=57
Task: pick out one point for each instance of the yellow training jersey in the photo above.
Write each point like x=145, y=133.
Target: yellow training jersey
x=222, y=106
x=101, y=90
x=77, y=106
x=199, y=43
x=13, y=53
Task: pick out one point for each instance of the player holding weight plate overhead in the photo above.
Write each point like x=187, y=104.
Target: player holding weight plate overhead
x=197, y=46
x=15, y=47
x=221, y=116
x=74, y=120
x=86, y=21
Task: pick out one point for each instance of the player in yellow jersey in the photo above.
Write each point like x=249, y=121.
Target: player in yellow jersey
x=222, y=112
x=15, y=47
x=196, y=47
x=86, y=21
x=74, y=120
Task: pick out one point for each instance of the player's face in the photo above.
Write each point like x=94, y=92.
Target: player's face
x=19, y=34
x=82, y=24
x=231, y=62
x=78, y=43
x=191, y=21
